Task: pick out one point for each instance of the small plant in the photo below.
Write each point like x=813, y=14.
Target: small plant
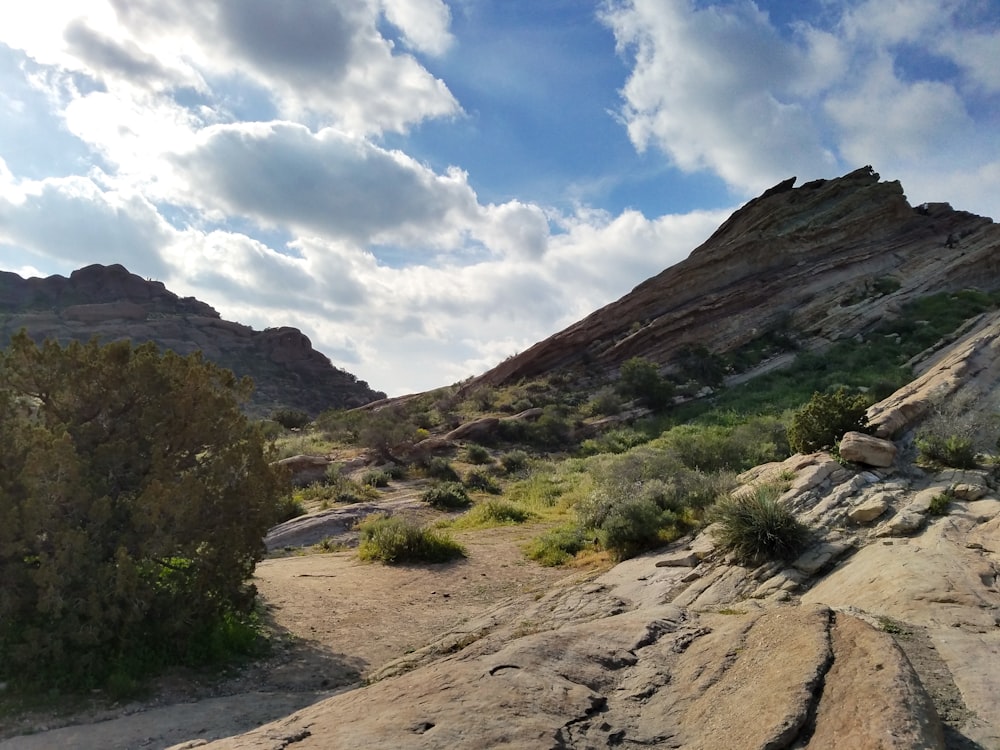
x=824, y=420
x=514, y=461
x=892, y=627
x=940, y=504
x=557, y=546
x=954, y=451
x=758, y=527
x=496, y=512
x=477, y=479
x=447, y=496
x=439, y=467
x=390, y=540
x=289, y=507
x=477, y=454
x=376, y=479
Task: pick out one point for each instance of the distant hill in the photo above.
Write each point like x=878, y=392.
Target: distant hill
x=828, y=260
x=113, y=304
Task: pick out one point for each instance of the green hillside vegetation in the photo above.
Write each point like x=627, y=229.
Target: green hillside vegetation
x=640, y=484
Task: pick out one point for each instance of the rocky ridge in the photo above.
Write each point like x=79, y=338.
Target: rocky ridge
x=113, y=304
x=823, y=261
x=884, y=633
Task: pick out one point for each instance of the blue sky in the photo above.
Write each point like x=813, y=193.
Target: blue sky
x=425, y=187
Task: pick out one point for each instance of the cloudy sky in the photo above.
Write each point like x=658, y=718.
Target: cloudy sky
x=425, y=187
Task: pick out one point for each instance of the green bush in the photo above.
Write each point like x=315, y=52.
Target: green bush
x=640, y=379
x=289, y=507
x=290, y=419
x=388, y=539
x=447, y=496
x=557, y=546
x=477, y=479
x=514, y=461
x=824, y=420
x=954, y=451
x=477, y=454
x=439, y=467
x=134, y=501
x=613, y=441
x=376, y=478
x=758, y=527
x=605, y=402
x=496, y=512
x=940, y=504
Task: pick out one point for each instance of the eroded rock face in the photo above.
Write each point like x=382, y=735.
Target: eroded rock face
x=811, y=257
x=112, y=304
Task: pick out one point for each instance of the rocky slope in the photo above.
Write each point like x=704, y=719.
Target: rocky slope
x=884, y=633
x=820, y=262
x=112, y=304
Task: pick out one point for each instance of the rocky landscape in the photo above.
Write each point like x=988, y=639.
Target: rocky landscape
x=110, y=303
x=884, y=632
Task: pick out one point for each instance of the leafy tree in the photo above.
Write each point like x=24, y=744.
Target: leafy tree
x=134, y=496
x=641, y=379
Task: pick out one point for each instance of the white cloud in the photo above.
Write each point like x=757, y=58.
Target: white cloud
x=713, y=88
x=424, y=23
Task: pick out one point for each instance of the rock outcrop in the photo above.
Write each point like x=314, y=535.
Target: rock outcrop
x=827, y=260
x=113, y=304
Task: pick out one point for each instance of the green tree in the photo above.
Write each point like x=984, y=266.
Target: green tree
x=640, y=379
x=134, y=497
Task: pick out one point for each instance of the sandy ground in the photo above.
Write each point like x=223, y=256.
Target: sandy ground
x=336, y=620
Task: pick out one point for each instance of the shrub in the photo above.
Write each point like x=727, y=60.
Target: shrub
x=439, y=467
x=957, y=452
x=640, y=379
x=477, y=479
x=388, y=539
x=514, y=461
x=824, y=420
x=758, y=527
x=605, y=403
x=134, y=503
x=940, y=504
x=376, y=478
x=477, y=454
x=289, y=507
x=290, y=419
x=613, y=441
x=447, y=496
x=557, y=546
x=496, y=512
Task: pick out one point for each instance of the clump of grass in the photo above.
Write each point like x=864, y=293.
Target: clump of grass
x=557, y=546
x=447, y=496
x=388, y=539
x=758, y=527
x=953, y=450
x=289, y=507
x=494, y=512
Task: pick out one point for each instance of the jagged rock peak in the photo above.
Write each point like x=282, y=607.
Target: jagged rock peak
x=804, y=258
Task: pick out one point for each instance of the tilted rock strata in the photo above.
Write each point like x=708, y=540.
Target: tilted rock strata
x=112, y=304
x=808, y=257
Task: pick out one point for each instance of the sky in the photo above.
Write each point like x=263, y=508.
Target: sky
x=426, y=187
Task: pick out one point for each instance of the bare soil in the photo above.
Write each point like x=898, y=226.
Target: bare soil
x=335, y=620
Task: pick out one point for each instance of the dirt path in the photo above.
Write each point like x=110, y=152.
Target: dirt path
x=336, y=618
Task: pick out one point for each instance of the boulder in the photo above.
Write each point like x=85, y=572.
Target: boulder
x=867, y=449
x=868, y=510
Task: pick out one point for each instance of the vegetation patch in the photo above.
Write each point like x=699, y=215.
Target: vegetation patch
x=477, y=479
x=557, y=546
x=447, y=496
x=757, y=527
x=824, y=420
x=391, y=540
x=494, y=512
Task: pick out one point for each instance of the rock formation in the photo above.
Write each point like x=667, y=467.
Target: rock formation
x=112, y=304
x=823, y=261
